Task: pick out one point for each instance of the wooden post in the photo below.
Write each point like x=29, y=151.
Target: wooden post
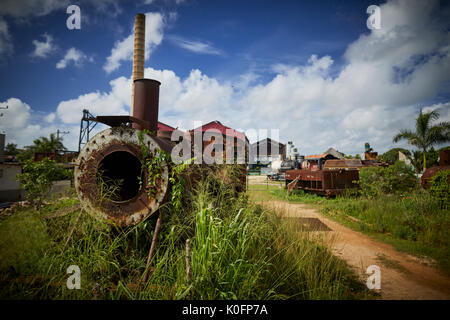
x=188, y=261
x=152, y=247
x=71, y=231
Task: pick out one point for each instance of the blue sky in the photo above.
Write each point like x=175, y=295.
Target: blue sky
x=311, y=69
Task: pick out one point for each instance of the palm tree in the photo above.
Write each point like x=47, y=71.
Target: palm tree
x=426, y=134
x=44, y=144
x=415, y=160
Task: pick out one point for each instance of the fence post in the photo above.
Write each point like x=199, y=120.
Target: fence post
x=188, y=261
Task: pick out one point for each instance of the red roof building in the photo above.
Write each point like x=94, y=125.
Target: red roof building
x=165, y=127
x=226, y=132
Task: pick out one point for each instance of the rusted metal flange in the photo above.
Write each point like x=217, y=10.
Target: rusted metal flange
x=117, y=153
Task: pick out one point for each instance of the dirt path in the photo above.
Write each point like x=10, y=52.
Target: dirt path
x=402, y=276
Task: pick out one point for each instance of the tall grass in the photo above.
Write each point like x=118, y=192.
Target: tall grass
x=239, y=251
x=414, y=222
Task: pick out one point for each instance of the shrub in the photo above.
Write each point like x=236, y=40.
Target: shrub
x=37, y=179
x=440, y=188
x=397, y=178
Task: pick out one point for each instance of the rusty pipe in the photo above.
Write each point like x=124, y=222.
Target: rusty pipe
x=146, y=100
x=139, y=52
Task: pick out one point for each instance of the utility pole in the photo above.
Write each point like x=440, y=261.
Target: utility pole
x=60, y=132
x=1, y=114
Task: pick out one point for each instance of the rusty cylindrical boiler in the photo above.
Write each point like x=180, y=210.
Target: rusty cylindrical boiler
x=108, y=170
x=111, y=161
x=112, y=155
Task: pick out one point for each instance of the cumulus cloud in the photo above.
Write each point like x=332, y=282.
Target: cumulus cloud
x=75, y=56
x=50, y=117
x=19, y=109
x=43, y=49
x=388, y=75
x=21, y=9
x=195, y=46
x=18, y=124
x=117, y=101
x=442, y=108
x=22, y=124
x=123, y=49
x=26, y=9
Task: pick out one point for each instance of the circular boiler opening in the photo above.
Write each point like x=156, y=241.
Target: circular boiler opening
x=118, y=176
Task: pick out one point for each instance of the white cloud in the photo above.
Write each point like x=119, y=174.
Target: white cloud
x=50, y=117
x=18, y=125
x=387, y=76
x=115, y=102
x=42, y=49
x=195, y=46
x=442, y=108
x=123, y=50
x=72, y=55
x=22, y=10
x=19, y=109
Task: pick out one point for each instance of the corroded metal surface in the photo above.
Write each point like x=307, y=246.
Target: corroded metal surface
x=129, y=211
x=325, y=182
x=428, y=175
x=146, y=100
x=138, y=52
x=444, y=164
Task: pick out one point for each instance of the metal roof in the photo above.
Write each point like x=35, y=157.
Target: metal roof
x=226, y=131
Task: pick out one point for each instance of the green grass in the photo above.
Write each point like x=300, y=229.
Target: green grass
x=239, y=251
x=391, y=264
x=415, y=223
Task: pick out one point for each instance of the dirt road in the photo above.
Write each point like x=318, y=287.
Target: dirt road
x=402, y=276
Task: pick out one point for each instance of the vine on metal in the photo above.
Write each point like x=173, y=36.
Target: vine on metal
x=153, y=164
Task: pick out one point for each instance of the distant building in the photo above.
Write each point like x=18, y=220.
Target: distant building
x=9, y=187
x=165, y=131
x=404, y=158
x=267, y=150
x=316, y=161
x=239, y=140
x=335, y=153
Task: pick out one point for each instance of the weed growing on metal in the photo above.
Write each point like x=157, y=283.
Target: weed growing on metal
x=107, y=188
x=152, y=164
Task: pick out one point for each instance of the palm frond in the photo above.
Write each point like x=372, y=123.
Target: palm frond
x=404, y=134
x=439, y=133
x=423, y=122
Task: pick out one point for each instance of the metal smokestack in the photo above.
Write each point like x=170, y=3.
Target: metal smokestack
x=146, y=102
x=139, y=53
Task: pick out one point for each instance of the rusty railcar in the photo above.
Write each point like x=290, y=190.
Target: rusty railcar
x=331, y=179
x=324, y=182
x=444, y=164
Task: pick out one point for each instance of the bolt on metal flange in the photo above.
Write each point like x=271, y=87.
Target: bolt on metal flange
x=138, y=205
